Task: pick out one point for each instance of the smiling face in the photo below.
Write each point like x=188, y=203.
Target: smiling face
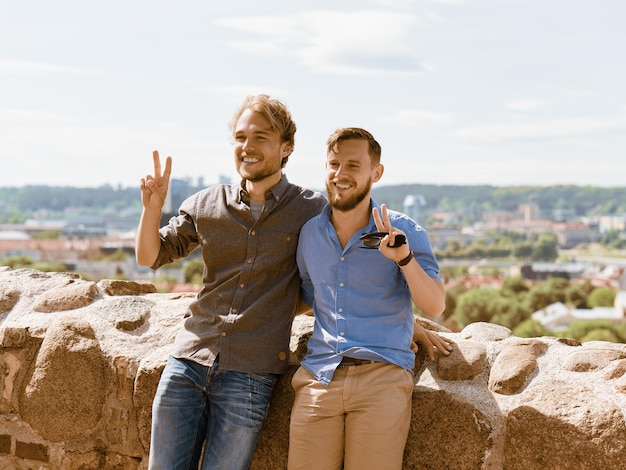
x=350, y=174
x=258, y=149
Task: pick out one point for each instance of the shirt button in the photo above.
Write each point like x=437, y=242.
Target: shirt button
x=233, y=310
x=241, y=285
x=223, y=333
x=341, y=258
x=341, y=310
x=252, y=233
x=249, y=261
x=341, y=284
x=341, y=333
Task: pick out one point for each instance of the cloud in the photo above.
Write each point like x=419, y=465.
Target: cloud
x=361, y=42
x=554, y=129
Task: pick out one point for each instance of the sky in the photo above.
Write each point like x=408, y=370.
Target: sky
x=461, y=92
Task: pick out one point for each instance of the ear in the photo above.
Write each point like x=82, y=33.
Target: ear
x=378, y=172
x=285, y=149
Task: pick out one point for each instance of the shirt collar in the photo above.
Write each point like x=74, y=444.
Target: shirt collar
x=326, y=213
x=276, y=192
x=324, y=220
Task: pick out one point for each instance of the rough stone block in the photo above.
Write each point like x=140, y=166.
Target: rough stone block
x=31, y=451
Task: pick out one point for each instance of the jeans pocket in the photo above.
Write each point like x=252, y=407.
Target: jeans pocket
x=265, y=380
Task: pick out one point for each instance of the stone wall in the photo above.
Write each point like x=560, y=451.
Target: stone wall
x=80, y=362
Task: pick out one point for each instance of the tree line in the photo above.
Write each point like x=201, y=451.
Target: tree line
x=19, y=203
x=573, y=199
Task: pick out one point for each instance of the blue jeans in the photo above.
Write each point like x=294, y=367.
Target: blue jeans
x=197, y=405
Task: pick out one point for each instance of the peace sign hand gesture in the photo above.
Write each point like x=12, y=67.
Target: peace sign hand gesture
x=154, y=187
x=389, y=246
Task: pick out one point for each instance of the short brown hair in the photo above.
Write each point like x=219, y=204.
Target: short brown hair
x=347, y=133
x=275, y=112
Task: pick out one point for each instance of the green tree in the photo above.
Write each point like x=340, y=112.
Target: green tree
x=545, y=248
x=601, y=334
x=47, y=235
x=192, y=271
x=49, y=267
x=508, y=312
x=581, y=330
x=531, y=328
x=17, y=261
x=620, y=329
x=450, y=305
x=577, y=293
x=551, y=291
x=601, y=297
x=514, y=287
x=523, y=250
x=452, y=249
x=476, y=305
x=117, y=255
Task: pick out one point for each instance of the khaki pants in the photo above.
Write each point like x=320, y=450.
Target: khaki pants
x=359, y=422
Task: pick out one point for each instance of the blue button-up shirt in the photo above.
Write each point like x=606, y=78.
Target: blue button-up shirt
x=360, y=299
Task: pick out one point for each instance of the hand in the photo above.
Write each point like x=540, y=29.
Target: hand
x=431, y=341
x=383, y=224
x=154, y=188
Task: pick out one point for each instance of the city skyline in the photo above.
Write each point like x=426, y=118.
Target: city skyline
x=461, y=92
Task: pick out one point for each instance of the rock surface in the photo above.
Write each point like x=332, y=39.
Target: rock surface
x=80, y=362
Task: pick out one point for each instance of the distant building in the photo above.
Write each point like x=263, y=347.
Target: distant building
x=412, y=205
x=178, y=191
x=529, y=227
x=609, y=223
x=498, y=220
x=527, y=221
x=558, y=316
x=14, y=235
x=528, y=212
x=571, y=234
x=85, y=226
x=543, y=271
x=440, y=237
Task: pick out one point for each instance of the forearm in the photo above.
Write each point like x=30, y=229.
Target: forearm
x=428, y=293
x=148, y=241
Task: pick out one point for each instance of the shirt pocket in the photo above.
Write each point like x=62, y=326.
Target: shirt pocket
x=276, y=251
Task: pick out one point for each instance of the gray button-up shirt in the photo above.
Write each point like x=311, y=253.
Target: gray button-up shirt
x=251, y=285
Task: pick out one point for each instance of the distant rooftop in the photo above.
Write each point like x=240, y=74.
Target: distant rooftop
x=14, y=235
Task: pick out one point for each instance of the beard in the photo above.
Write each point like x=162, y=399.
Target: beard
x=262, y=171
x=345, y=204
